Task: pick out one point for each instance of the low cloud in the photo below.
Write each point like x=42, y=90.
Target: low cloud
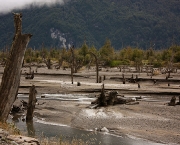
x=7, y=6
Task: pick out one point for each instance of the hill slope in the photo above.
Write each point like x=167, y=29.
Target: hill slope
x=134, y=23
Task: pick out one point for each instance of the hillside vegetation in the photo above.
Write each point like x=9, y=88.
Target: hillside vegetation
x=135, y=23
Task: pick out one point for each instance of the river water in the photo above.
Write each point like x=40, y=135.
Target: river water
x=39, y=128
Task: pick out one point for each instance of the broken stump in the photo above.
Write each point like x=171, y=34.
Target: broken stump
x=31, y=103
x=172, y=101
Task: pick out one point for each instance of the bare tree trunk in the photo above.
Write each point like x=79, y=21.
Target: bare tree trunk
x=72, y=64
x=12, y=72
x=97, y=67
x=48, y=63
x=31, y=103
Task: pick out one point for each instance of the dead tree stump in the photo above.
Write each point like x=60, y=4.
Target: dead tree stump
x=102, y=98
x=12, y=72
x=111, y=98
x=173, y=101
x=139, y=85
x=31, y=103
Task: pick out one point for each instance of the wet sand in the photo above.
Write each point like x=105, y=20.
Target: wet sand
x=151, y=119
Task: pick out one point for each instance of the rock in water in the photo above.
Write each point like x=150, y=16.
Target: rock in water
x=104, y=129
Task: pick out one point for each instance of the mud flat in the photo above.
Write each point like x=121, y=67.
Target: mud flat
x=151, y=119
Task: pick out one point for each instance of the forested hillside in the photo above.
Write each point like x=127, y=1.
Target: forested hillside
x=135, y=23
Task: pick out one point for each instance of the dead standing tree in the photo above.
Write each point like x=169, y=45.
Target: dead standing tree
x=12, y=72
x=97, y=67
x=72, y=63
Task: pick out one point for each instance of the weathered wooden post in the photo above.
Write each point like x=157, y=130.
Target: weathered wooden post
x=31, y=103
x=12, y=72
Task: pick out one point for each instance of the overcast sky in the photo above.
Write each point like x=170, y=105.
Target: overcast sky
x=9, y=5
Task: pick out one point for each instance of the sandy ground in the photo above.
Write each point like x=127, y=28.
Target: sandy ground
x=151, y=119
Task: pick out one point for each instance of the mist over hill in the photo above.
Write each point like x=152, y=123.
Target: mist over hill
x=136, y=23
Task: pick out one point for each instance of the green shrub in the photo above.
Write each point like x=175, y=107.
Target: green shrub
x=157, y=64
x=116, y=63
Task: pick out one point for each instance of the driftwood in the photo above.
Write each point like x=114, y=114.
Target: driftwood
x=110, y=98
x=12, y=72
